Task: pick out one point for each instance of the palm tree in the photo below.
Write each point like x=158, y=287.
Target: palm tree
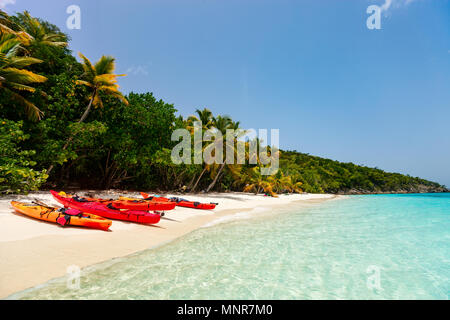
x=292, y=181
x=257, y=182
x=38, y=33
x=204, y=116
x=101, y=79
x=284, y=183
x=13, y=76
x=278, y=181
x=222, y=124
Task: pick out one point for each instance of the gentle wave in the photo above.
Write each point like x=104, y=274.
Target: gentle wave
x=237, y=216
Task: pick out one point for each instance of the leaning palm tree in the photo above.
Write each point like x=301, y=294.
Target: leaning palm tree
x=14, y=78
x=204, y=116
x=101, y=79
x=223, y=124
x=257, y=182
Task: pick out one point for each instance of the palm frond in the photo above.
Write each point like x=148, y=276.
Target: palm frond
x=84, y=83
x=105, y=65
x=21, y=76
x=21, y=62
x=31, y=110
x=9, y=44
x=115, y=93
x=98, y=103
x=54, y=43
x=20, y=86
x=105, y=80
x=88, y=67
x=33, y=31
x=101, y=78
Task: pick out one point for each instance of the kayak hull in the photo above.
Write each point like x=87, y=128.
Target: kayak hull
x=138, y=204
x=186, y=204
x=52, y=215
x=102, y=210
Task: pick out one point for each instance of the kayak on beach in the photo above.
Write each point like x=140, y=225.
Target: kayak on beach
x=136, y=204
x=131, y=204
x=63, y=217
x=181, y=202
x=106, y=210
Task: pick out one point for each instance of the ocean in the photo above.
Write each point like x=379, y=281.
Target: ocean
x=360, y=247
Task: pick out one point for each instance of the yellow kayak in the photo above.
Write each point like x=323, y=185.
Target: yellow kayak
x=63, y=217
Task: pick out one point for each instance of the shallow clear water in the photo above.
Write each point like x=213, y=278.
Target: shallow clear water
x=362, y=247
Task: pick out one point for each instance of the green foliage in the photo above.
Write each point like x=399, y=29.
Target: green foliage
x=125, y=142
x=135, y=133
x=319, y=175
x=170, y=175
x=62, y=106
x=16, y=173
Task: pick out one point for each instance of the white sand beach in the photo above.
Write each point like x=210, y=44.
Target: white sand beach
x=33, y=252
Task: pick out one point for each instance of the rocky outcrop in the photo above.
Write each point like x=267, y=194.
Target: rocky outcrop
x=415, y=189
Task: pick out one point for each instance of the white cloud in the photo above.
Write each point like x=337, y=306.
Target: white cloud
x=139, y=70
x=386, y=5
x=397, y=3
x=4, y=3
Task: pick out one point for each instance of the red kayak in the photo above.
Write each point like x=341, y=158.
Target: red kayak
x=181, y=202
x=133, y=204
x=104, y=210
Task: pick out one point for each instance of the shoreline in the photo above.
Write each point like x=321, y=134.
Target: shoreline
x=33, y=252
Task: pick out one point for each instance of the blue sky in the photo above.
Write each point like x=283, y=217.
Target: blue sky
x=311, y=68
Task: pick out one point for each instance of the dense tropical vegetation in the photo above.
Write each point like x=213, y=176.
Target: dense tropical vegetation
x=65, y=124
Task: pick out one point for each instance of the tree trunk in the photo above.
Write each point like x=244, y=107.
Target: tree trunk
x=88, y=109
x=198, y=180
x=83, y=117
x=178, y=179
x=216, y=178
x=191, y=182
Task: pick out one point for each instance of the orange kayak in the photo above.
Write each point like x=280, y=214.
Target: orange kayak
x=63, y=217
x=181, y=202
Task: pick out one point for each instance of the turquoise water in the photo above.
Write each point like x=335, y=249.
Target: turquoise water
x=361, y=247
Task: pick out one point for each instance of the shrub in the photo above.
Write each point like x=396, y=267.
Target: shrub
x=16, y=173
